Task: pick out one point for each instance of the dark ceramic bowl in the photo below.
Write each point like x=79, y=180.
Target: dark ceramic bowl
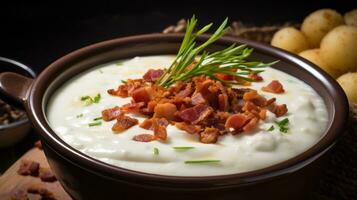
x=15, y=131
x=84, y=177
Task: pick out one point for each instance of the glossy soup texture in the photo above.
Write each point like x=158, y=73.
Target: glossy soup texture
x=70, y=118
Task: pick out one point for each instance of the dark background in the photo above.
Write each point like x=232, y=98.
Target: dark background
x=39, y=33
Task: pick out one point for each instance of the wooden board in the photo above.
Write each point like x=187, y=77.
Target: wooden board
x=11, y=182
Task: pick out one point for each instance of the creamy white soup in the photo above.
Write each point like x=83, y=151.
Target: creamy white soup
x=74, y=122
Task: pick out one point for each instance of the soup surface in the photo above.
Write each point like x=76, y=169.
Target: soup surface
x=74, y=122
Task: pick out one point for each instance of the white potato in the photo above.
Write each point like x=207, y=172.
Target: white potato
x=339, y=48
x=351, y=18
x=313, y=55
x=319, y=23
x=349, y=84
x=290, y=39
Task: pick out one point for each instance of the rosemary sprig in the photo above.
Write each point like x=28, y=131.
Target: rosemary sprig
x=230, y=61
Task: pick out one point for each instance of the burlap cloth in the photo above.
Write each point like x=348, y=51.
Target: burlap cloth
x=339, y=180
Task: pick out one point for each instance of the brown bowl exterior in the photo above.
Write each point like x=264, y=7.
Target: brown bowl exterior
x=86, y=178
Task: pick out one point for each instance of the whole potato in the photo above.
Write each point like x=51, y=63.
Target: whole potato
x=339, y=48
x=290, y=39
x=313, y=55
x=349, y=84
x=351, y=18
x=319, y=23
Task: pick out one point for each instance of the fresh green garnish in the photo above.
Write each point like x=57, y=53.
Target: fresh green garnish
x=201, y=161
x=97, y=123
x=124, y=81
x=90, y=100
x=271, y=128
x=183, y=148
x=283, y=125
x=98, y=118
x=80, y=115
x=156, y=151
x=225, y=61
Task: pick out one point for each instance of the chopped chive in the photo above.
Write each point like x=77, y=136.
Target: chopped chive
x=124, y=81
x=156, y=151
x=283, y=125
x=183, y=148
x=271, y=128
x=201, y=161
x=98, y=118
x=119, y=64
x=97, y=123
x=80, y=115
x=97, y=98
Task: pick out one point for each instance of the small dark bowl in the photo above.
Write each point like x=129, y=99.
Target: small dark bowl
x=13, y=132
x=84, y=177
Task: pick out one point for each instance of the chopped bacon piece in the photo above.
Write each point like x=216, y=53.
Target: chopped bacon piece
x=251, y=124
x=148, y=123
x=270, y=101
x=153, y=75
x=263, y=114
x=185, y=92
x=250, y=95
x=224, y=77
x=159, y=130
x=195, y=114
x=132, y=107
x=223, y=102
x=122, y=91
x=209, y=135
x=111, y=113
x=189, y=128
x=278, y=110
x=28, y=167
x=274, y=87
x=236, y=121
x=197, y=99
x=144, y=138
x=123, y=123
x=255, y=77
x=19, y=195
x=165, y=110
x=141, y=95
x=46, y=175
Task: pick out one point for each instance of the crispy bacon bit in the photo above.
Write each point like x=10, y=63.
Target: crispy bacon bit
x=132, y=107
x=224, y=77
x=38, y=145
x=278, y=110
x=28, y=167
x=263, y=114
x=123, y=123
x=209, y=135
x=236, y=121
x=141, y=95
x=197, y=99
x=153, y=75
x=255, y=77
x=185, y=92
x=159, y=130
x=270, y=101
x=195, y=114
x=251, y=124
x=144, y=138
x=189, y=128
x=274, y=87
x=122, y=91
x=46, y=175
x=223, y=102
x=111, y=113
x=165, y=110
x=41, y=190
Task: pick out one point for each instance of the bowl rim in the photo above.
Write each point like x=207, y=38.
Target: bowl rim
x=335, y=129
x=27, y=69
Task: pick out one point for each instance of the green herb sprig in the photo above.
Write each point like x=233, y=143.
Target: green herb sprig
x=230, y=61
x=183, y=148
x=90, y=100
x=201, y=161
x=283, y=126
x=156, y=151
